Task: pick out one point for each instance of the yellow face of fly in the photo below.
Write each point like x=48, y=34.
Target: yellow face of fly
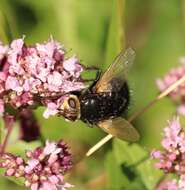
x=70, y=108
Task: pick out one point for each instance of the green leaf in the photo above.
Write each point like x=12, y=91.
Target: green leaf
x=149, y=174
x=121, y=176
x=137, y=184
x=135, y=161
x=3, y=34
x=7, y=183
x=20, y=146
x=8, y=27
x=116, y=178
x=126, y=153
x=18, y=181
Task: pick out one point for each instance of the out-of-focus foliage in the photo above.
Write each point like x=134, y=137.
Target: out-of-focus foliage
x=96, y=30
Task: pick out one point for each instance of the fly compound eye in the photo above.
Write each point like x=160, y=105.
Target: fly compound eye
x=72, y=102
x=70, y=108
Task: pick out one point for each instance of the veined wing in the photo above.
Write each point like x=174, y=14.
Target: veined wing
x=120, y=128
x=117, y=71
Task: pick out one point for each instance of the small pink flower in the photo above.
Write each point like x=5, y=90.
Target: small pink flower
x=2, y=76
x=1, y=106
x=13, y=84
x=181, y=109
x=55, y=81
x=10, y=172
x=71, y=65
x=172, y=156
x=43, y=75
x=17, y=45
x=50, y=147
x=31, y=165
x=26, y=86
x=182, y=182
x=48, y=49
x=51, y=110
x=172, y=134
x=66, y=186
x=54, y=179
x=168, y=185
x=156, y=154
x=34, y=186
x=52, y=159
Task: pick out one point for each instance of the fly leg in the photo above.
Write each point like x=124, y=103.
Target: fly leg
x=94, y=80
x=98, y=74
x=92, y=68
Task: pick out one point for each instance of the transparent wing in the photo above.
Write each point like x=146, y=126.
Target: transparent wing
x=117, y=70
x=120, y=128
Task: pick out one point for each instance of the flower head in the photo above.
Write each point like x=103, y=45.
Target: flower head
x=37, y=75
x=44, y=168
x=178, y=94
x=14, y=165
x=172, y=158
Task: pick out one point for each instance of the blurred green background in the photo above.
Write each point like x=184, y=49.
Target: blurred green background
x=96, y=30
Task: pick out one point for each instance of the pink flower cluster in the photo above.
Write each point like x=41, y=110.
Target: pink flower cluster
x=44, y=168
x=177, y=94
x=168, y=185
x=37, y=74
x=172, y=158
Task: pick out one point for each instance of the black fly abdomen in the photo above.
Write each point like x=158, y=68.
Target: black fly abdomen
x=96, y=107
